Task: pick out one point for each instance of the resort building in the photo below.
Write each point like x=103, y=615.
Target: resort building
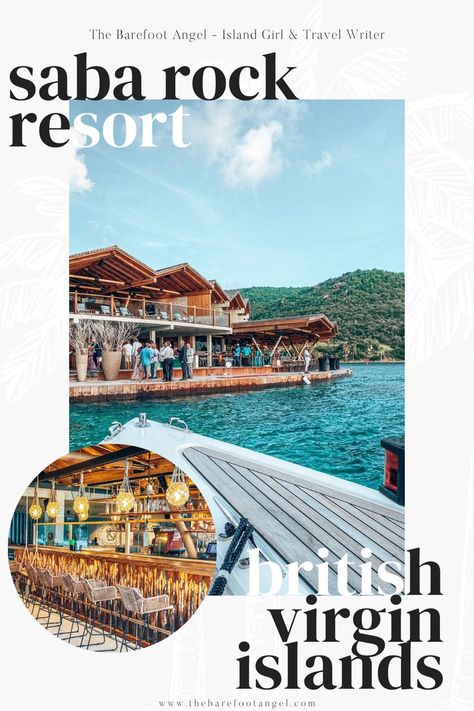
x=112, y=547
x=166, y=303
x=230, y=351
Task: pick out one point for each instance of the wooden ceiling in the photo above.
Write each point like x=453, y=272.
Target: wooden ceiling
x=184, y=279
x=98, y=470
x=299, y=328
x=111, y=270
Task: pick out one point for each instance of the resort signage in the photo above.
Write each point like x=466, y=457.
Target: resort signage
x=95, y=82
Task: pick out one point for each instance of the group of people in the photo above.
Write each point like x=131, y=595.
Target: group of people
x=146, y=359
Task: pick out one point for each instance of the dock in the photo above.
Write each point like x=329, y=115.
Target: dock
x=207, y=381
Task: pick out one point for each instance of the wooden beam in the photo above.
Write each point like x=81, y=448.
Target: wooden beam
x=300, y=352
x=258, y=347
x=275, y=347
x=93, y=463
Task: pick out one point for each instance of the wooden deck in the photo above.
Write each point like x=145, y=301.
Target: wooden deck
x=295, y=516
x=103, y=391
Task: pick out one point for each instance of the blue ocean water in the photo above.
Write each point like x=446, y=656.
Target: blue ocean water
x=334, y=427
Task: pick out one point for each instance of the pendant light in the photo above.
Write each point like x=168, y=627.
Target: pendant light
x=81, y=502
x=178, y=491
x=125, y=500
x=53, y=508
x=149, y=490
x=36, y=510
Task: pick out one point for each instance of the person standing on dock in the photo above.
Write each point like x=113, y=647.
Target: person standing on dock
x=189, y=360
x=127, y=354
x=146, y=354
x=168, y=356
x=137, y=368
x=136, y=345
x=237, y=354
x=307, y=360
x=183, y=360
x=155, y=355
x=246, y=353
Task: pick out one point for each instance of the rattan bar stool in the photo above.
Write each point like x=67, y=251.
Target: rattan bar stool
x=97, y=596
x=141, y=607
x=73, y=593
x=52, y=589
x=34, y=593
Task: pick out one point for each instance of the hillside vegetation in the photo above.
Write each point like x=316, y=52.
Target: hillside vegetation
x=368, y=307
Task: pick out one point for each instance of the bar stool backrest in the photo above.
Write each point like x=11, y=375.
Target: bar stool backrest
x=48, y=579
x=31, y=572
x=98, y=593
x=71, y=584
x=132, y=599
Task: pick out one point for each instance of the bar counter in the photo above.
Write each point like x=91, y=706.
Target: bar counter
x=185, y=581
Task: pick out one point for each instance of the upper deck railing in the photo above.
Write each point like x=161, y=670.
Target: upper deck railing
x=144, y=310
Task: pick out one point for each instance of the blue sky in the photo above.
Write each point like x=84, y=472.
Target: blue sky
x=267, y=194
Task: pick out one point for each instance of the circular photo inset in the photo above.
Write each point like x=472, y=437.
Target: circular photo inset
x=112, y=548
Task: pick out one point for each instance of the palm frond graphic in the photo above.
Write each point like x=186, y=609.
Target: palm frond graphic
x=440, y=221
x=372, y=75
x=50, y=194
x=305, y=54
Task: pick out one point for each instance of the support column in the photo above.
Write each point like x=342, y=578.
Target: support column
x=209, y=350
x=127, y=539
x=182, y=529
x=192, y=342
x=59, y=520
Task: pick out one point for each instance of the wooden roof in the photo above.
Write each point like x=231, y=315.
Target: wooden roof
x=297, y=327
x=111, y=263
x=183, y=278
x=104, y=464
x=112, y=270
x=219, y=295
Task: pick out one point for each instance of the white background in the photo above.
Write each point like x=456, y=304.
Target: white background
x=427, y=59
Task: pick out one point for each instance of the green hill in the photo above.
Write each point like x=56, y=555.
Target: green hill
x=368, y=307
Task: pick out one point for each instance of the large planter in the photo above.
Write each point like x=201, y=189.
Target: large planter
x=111, y=361
x=81, y=366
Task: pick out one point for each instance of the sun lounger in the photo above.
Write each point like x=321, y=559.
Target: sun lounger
x=105, y=309
x=124, y=311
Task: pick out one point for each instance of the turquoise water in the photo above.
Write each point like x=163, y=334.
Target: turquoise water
x=334, y=427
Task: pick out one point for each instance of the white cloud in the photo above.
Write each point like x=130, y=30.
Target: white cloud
x=315, y=167
x=241, y=140
x=255, y=158
x=79, y=181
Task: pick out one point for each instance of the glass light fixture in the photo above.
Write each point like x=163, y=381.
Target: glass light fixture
x=81, y=502
x=178, y=491
x=125, y=500
x=36, y=510
x=148, y=490
x=53, y=508
x=83, y=516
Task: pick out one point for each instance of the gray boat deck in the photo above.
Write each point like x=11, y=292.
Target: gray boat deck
x=296, y=517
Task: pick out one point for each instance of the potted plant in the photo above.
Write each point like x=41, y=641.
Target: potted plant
x=111, y=336
x=80, y=335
